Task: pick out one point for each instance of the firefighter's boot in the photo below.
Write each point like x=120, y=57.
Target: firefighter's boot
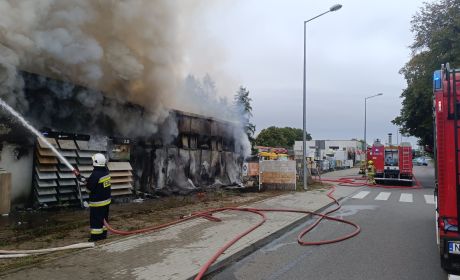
x=371, y=180
x=95, y=237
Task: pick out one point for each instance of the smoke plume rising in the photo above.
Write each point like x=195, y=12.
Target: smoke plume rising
x=131, y=50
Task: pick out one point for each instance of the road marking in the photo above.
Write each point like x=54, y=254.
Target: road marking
x=406, y=197
x=453, y=277
x=429, y=198
x=383, y=196
x=361, y=194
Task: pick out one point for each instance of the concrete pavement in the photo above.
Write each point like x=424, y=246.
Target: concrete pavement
x=178, y=252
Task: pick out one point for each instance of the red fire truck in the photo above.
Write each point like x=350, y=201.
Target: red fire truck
x=446, y=90
x=392, y=163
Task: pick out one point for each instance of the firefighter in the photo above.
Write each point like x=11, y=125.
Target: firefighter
x=371, y=172
x=99, y=187
x=362, y=168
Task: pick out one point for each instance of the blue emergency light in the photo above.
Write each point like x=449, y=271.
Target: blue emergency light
x=437, y=82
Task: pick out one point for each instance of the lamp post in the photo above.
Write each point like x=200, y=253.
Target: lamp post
x=304, y=153
x=365, y=112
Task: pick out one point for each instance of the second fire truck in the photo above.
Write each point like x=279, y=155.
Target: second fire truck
x=393, y=163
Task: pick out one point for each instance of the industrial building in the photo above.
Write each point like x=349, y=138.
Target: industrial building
x=332, y=154
x=179, y=154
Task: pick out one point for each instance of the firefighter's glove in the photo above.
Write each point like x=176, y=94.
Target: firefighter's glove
x=81, y=179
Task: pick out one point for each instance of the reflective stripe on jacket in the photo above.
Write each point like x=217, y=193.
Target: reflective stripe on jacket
x=105, y=181
x=100, y=203
x=97, y=231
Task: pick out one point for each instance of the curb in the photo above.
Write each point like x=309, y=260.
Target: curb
x=222, y=264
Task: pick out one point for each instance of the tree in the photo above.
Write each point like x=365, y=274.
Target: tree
x=193, y=86
x=242, y=103
x=280, y=137
x=437, y=40
x=209, y=86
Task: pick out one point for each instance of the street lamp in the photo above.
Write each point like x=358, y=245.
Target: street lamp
x=304, y=154
x=365, y=111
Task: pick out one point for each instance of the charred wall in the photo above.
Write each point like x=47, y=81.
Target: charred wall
x=201, y=155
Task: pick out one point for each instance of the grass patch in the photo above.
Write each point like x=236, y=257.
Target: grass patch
x=315, y=185
x=19, y=262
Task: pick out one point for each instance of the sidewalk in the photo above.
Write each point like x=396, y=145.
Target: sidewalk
x=179, y=252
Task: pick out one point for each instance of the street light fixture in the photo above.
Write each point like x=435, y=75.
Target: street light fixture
x=335, y=8
x=365, y=112
x=304, y=154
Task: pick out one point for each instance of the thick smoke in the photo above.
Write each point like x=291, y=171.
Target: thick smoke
x=200, y=96
x=11, y=84
x=131, y=50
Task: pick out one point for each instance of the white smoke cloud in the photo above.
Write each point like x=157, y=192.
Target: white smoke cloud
x=131, y=50
x=115, y=46
x=11, y=84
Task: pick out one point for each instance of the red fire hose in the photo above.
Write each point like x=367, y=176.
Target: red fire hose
x=259, y=211
x=349, y=181
x=354, y=182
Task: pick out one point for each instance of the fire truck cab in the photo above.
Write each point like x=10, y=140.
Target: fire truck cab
x=446, y=107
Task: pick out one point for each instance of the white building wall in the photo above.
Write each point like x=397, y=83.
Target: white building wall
x=298, y=148
x=20, y=169
x=342, y=145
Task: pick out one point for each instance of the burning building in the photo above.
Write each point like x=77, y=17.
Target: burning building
x=111, y=78
x=181, y=153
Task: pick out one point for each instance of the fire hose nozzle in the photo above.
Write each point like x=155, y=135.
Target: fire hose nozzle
x=80, y=177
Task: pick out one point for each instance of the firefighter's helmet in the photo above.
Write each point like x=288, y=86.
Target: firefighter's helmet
x=99, y=159
x=370, y=162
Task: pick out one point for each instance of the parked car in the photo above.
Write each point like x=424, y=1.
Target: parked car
x=421, y=161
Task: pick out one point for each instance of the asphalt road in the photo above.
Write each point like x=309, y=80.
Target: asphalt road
x=397, y=241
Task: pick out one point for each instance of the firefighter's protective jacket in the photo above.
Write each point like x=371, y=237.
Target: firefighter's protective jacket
x=98, y=184
x=371, y=169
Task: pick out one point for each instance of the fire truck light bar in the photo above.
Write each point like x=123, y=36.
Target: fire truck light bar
x=437, y=82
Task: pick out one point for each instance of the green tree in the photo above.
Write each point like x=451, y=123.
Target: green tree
x=242, y=103
x=437, y=40
x=280, y=137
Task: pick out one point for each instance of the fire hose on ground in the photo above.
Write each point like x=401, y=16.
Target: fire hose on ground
x=6, y=254
x=347, y=181
x=358, y=182
x=258, y=211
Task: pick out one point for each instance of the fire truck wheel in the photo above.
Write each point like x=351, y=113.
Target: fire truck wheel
x=447, y=266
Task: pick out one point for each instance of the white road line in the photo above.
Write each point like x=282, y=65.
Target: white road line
x=383, y=196
x=429, y=198
x=406, y=197
x=453, y=277
x=361, y=194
